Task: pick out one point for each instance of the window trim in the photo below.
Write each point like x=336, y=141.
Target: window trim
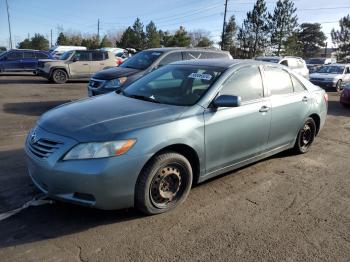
x=296, y=79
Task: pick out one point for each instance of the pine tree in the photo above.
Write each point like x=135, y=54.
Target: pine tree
x=282, y=24
x=311, y=39
x=181, y=38
x=228, y=42
x=152, y=36
x=62, y=39
x=105, y=42
x=342, y=38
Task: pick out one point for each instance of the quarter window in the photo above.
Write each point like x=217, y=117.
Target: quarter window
x=41, y=56
x=278, y=80
x=245, y=83
x=29, y=55
x=298, y=87
x=97, y=56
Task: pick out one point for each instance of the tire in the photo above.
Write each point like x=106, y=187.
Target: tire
x=163, y=184
x=306, y=137
x=59, y=76
x=338, y=86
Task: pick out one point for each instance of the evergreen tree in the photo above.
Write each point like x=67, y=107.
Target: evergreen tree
x=25, y=44
x=39, y=42
x=181, y=38
x=311, y=39
x=139, y=35
x=228, y=42
x=342, y=38
x=282, y=24
x=62, y=39
x=166, y=38
x=292, y=45
x=152, y=36
x=204, y=42
x=105, y=42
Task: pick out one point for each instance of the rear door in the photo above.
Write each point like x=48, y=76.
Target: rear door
x=29, y=60
x=13, y=61
x=98, y=61
x=290, y=103
x=81, y=67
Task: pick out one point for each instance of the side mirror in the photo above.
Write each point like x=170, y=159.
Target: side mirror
x=227, y=101
x=75, y=59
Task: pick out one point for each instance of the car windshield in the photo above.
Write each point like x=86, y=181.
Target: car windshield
x=268, y=59
x=65, y=55
x=331, y=69
x=181, y=85
x=141, y=60
x=316, y=61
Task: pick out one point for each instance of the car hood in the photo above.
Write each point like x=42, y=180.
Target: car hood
x=115, y=72
x=322, y=76
x=103, y=117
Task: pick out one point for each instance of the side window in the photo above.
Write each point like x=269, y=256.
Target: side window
x=41, y=56
x=278, y=81
x=298, y=87
x=246, y=83
x=82, y=56
x=28, y=55
x=347, y=70
x=284, y=62
x=172, y=57
x=214, y=55
x=15, y=55
x=189, y=55
x=97, y=56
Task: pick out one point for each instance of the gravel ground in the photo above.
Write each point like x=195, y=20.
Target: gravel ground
x=285, y=208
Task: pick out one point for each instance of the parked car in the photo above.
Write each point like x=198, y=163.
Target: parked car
x=2, y=50
x=314, y=64
x=297, y=64
x=345, y=95
x=22, y=60
x=332, y=76
x=142, y=63
x=120, y=54
x=57, y=51
x=78, y=64
x=181, y=124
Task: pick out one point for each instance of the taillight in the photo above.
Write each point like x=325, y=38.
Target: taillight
x=325, y=96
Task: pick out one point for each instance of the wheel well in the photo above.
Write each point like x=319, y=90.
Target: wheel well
x=317, y=120
x=187, y=152
x=55, y=68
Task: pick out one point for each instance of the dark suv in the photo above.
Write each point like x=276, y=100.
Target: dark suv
x=22, y=59
x=144, y=62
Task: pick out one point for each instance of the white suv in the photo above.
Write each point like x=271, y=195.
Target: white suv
x=297, y=64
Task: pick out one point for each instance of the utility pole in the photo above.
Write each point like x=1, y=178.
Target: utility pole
x=98, y=29
x=8, y=19
x=223, y=26
x=325, y=50
x=51, y=38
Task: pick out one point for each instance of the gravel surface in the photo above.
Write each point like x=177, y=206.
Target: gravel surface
x=285, y=208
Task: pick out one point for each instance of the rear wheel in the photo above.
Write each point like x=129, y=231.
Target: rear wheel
x=306, y=136
x=163, y=184
x=59, y=76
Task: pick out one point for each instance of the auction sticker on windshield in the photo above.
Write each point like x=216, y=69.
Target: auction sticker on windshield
x=200, y=76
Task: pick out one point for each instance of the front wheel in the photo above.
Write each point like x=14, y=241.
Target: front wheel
x=59, y=76
x=163, y=184
x=306, y=136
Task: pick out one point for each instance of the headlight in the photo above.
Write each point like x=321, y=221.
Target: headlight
x=114, y=83
x=99, y=150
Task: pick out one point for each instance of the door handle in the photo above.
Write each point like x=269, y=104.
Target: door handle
x=85, y=64
x=305, y=99
x=264, y=109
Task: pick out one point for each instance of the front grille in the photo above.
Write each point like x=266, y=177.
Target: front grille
x=96, y=83
x=43, y=148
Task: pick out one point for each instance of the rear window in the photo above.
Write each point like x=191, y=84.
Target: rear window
x=98, y=56
x=29, y=55
x=15, y=55
x=213, y=55
x=169, y=58
x=142, y=60
x=41, y=55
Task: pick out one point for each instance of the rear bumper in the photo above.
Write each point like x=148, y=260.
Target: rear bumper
x=345, y=99
x=324, y=83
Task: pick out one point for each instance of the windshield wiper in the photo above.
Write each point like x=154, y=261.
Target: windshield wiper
x=141, y=97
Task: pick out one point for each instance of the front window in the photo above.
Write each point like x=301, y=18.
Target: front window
x=66, y=55
x=332, y=70
x=174, y=84
x=142, y=60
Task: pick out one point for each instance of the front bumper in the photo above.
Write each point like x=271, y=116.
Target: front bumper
x=42, y=73
x=106, y=183
x=323, y=83
x=345, y=99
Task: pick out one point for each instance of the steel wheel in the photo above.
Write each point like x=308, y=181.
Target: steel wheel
x=306, y=136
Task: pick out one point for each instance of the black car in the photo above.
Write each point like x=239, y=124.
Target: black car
x=144, y=62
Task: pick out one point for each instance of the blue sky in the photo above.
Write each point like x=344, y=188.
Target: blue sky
x=40, y=16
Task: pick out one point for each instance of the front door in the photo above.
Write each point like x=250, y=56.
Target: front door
x=29, y=60
x=13, y=61
x=235, y=134
x=79, y=64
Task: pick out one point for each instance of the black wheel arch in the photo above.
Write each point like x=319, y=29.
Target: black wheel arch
x=317, y=120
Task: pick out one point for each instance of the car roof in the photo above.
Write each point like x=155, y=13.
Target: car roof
x=336, y=64
x=169, y=49
x=225, y=63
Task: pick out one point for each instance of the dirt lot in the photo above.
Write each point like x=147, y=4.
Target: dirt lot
x=286, y=208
